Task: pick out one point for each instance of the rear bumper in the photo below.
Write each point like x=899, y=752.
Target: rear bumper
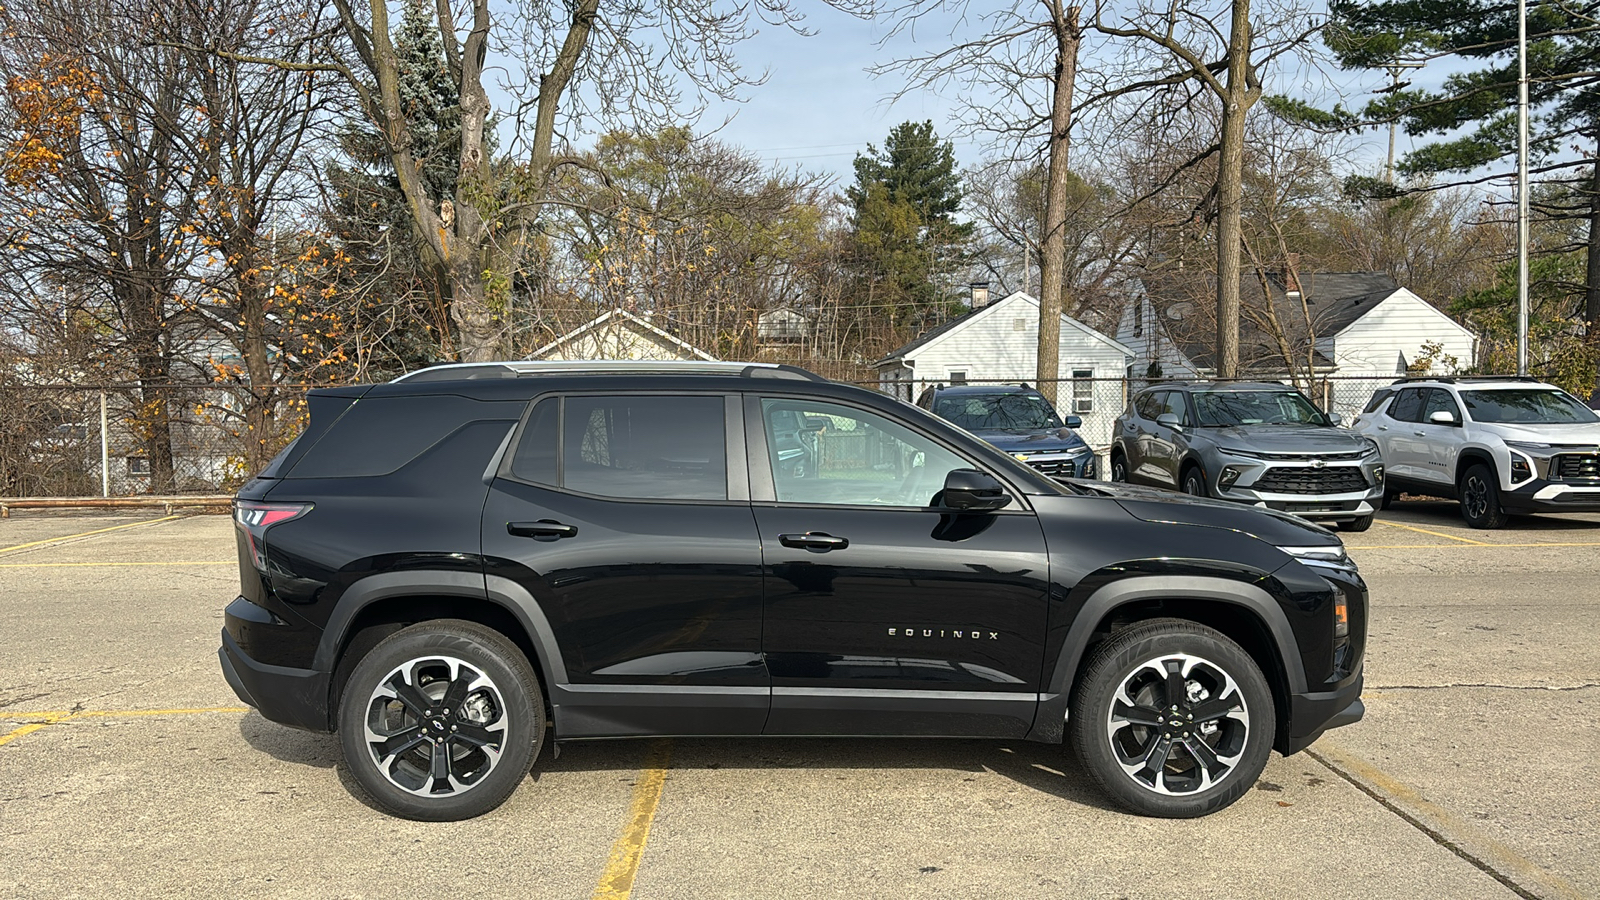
x=1311, y=714
x=293, y=697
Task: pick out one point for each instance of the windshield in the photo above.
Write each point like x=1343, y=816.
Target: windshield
x=1220, y=409
x=998, y=412
x=1533, y=406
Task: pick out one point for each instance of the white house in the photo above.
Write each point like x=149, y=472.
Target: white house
x=618, y=334
x=999, y=342
x=1360, y=324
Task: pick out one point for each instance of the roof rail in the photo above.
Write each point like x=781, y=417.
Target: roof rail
x=524, y=367
x=1466, y=379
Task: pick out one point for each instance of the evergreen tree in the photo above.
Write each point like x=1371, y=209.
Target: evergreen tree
x=430, y=99
x=904, y=201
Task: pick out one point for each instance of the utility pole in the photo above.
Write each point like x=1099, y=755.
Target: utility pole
x=1395, y=84
x=1522, y=187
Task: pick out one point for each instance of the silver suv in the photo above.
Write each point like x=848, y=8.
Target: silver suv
x=1502, y=446
x=1263, y=444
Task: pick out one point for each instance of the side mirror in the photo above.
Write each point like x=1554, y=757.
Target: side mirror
x=1170, y=420
x=970, y=490
x=1335, y=419
x=1442, y=417
x=1072, y=421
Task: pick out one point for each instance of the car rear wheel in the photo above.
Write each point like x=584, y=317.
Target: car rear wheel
x=1480, y=498
x=1173, y=719
x=441, y=721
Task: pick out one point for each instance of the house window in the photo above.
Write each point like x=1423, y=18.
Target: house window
x=958, y=376
x=1019, y=324
x=138, y=465
x=1082, y=391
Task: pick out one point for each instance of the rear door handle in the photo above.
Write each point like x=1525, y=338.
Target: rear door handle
x=814, y=540
x=542, y=530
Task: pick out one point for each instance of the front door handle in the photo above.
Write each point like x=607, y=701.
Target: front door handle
x=542, y=530
x=814, y=540
x=1420, y=433
x=1383, y=428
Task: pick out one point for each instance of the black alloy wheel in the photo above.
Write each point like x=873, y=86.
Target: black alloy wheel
x=441, y=721
x=1119, y=468
x=1480, y=498
x=1173, y=719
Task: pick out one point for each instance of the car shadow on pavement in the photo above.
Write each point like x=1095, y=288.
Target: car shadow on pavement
x=1046, y=768
x=1425, y=511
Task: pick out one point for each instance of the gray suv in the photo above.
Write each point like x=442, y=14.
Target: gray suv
x=1263, y=444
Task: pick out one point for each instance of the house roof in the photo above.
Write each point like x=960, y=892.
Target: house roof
x=628, y=320
x=966, y=318
x=1335, y=300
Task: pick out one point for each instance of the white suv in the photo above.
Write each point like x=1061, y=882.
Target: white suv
x=1502, y=446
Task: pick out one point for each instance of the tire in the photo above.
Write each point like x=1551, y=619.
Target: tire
x=1389, y=496
x=1216, y=678
x=1194, y=482
x=1480, y=498
x=488, y=740
x=1361, y=524
x=1119, y=468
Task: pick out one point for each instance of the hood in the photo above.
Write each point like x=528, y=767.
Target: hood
x=1154, y=505
x=1586, y=433
x=1021, y=440
x=1285, y=438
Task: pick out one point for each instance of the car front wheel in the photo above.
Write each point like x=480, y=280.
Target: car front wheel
x=1480, y=498
x=1173, y=719
x=1358, y=524
x=441, y=720
x=1119, y=468
x=1194, y=483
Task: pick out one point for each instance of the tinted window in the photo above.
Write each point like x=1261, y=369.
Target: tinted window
x=830, y=454
x=378, y=435
x=1148, y=405
x=1378, y=397
x=1439, y=401
x=1533, y=406
x=1407, y=406
x=535, y=459
x=649, y=447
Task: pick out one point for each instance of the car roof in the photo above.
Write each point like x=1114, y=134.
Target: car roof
x=985, y=389
x=1218, y=386
x=1475, y=382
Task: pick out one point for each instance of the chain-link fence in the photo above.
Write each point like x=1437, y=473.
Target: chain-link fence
x=122, y=440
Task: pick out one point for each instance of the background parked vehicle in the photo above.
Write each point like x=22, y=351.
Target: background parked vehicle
x=1502, y=446
x=1018, y=420
x=1258, y=443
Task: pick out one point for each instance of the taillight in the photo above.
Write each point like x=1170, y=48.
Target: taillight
x=255, y=518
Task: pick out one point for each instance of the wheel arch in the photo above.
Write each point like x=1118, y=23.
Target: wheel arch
x=1472, y=456
x=1245, y=613
x=379, y=605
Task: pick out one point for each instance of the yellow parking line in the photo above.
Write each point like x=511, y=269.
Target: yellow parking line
x=1434, y=533
x=1353, y=547
x=1461, y=837
x=90, y=565
x=617, y=882
x=52, y=717
x=68, y=537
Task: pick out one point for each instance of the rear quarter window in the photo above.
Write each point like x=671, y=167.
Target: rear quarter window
x=378, y=435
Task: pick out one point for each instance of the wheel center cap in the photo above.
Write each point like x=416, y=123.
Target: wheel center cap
x=437, y=724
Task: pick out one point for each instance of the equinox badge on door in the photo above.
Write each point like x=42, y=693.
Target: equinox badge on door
x=940, y=632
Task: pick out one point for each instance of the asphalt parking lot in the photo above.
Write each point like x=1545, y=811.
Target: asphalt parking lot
x=127, y=767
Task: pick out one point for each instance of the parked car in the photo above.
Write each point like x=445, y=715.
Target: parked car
x=453, y=570
x=1502, y=446
x=1262, y=444
x=1018, y=420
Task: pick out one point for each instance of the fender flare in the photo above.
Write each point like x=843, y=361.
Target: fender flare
x=1050, y=724
x=502, y=592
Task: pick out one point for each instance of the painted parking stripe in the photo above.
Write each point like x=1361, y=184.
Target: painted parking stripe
x=1434, y=533
x=68, y=537
x=623, y=865
x=93, y=565
x=52, y=717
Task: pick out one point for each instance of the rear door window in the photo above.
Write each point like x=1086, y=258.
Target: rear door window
x=647, y=447
x=1148, y=405
x=1407, y=406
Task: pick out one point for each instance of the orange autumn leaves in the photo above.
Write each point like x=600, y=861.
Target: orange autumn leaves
x=45, y=106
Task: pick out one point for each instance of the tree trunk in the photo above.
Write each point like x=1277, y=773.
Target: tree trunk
x=1236, y=104
x=260, y=397
x=1591, y=275
x=1064, y=24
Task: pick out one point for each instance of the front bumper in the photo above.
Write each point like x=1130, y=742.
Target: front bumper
x=1312, y=714
x=293, y=697
x=1542, y=495
x=1254, y=481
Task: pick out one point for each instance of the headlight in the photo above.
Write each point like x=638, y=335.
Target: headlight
x=1250, y=453
x=1528, y=445
x=1372, y=447
x=1322, y=555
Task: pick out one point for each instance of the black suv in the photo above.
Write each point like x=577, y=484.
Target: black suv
x=452, y=569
